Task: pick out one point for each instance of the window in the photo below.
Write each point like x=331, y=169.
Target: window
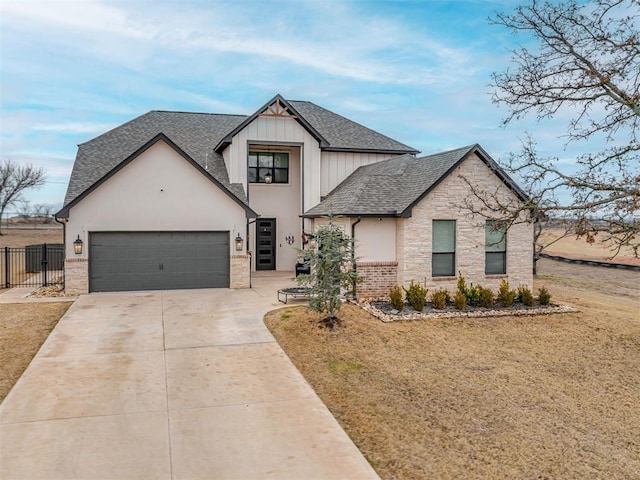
x=268, y=164
x=495, y=261
x=443, y=257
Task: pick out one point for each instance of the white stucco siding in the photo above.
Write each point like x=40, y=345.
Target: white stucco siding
x=157, y=191
x=276, y=130
x=414, y=234
x=375, y=240
x=336, y=166
x=282, y=202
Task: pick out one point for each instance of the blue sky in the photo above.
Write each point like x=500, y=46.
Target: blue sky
x=418, y=71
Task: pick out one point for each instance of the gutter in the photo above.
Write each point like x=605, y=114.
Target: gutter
x=353, y=252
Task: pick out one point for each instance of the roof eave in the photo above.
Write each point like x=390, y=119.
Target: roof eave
x=370, y=150
x=226, y=141
x=64, y=211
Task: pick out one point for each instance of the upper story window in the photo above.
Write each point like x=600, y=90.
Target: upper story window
x=495, y=260
x=268, y=167
x=443, y=256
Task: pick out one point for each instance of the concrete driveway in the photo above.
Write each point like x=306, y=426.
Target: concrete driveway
x=170, y=385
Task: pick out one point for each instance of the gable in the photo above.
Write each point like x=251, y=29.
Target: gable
x=158, y=188
x=393, y=187
x=143, y=151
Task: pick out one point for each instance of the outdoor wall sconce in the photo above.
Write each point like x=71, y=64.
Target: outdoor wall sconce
x=290, y=239
x=239, y=243
x=77, y=245
x=268, y=178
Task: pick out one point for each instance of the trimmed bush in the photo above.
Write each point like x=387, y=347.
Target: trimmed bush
x=506, y=296
x=396, y=298
x=416, y=296
x=460, y=301
x=439, y=299
x=485, y=297
x=473, y=294
x=544, y=296
x=525, y=296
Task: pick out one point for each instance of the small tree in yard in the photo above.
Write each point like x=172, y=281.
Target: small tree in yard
x=331, y=271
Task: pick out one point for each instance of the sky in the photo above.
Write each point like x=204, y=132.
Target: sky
x=417, y=71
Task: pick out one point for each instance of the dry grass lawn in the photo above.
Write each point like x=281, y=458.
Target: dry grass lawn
x=544, y=397
x=572, y=247
x=23, y=329
x=20, y=237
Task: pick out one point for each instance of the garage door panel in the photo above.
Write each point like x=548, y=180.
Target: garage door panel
x=158, y=260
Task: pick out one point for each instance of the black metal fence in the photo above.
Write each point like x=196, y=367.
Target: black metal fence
x=32, y=266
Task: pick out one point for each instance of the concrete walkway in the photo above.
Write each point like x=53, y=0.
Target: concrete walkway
x=170, y=385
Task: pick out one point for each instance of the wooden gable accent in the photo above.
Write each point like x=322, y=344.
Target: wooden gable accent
x=277, y=109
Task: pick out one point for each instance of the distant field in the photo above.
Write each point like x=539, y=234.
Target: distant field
x=572, y=247
x=19, y=237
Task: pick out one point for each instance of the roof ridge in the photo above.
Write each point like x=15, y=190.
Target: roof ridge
x=199, y=113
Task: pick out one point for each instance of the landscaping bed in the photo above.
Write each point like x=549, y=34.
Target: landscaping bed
x=384, y=311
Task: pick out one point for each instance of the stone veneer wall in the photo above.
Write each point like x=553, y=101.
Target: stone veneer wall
x=378, y=278
x=413, y=235
x=240, y=271
x=76, y=276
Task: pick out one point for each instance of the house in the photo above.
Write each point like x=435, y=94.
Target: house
x=189, y=200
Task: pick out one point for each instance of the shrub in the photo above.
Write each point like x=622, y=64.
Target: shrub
x=462, y=284
x=544, y=296
x=473, y=294
x=485, y=297
x=460, y=301
x=525, y=296
x=416, y=296
x=439, y=299
x=506, y=296
x=396, y=298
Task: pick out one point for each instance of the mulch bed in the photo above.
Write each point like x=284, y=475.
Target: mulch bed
x=384, y=311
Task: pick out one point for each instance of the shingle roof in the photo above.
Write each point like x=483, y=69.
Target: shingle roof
x=195, y=133
x=198, y=133
x=392, y=187
x=344, y=134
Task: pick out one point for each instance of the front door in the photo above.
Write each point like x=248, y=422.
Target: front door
x=266, y=248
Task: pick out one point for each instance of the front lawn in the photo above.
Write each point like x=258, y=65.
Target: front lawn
x=550, y=396
x=23, y=329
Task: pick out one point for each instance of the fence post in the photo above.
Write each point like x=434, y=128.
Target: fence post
x=6, y=267
x=44, y=264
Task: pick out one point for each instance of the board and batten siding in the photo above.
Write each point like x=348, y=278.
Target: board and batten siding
x=276, y=130
x=336, y=166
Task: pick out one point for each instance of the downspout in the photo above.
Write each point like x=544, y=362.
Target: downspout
x=353, y=252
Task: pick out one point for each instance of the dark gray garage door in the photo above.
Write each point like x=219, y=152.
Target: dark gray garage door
x=121, y=261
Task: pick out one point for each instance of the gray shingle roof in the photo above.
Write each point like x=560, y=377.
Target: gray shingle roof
x=195, y=133
x=342, y=133
x=198, y=133
x=392, y=187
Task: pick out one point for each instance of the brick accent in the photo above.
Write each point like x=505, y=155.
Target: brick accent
x=240, y=271
x=378, y=278
x=76, y=276
x=413, y=235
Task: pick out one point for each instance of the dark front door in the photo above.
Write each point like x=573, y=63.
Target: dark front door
x=266, y=244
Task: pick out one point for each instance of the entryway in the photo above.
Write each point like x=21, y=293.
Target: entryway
x=266, y=244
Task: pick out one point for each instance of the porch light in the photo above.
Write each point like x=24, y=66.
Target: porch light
x=239, y=243
x=77, y=245
x=268, y=178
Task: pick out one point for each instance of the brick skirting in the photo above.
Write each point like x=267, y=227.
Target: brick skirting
x=378, y=278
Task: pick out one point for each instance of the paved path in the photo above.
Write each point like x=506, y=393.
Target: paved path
x=170, y=385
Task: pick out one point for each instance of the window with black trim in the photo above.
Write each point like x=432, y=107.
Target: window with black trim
x=443, y=256
x=495, y=257
x=268, y=167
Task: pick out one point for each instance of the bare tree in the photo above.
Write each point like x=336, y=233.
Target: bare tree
x=586, y=63
x=14, y=180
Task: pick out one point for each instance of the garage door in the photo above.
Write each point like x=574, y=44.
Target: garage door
x=121, y=261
